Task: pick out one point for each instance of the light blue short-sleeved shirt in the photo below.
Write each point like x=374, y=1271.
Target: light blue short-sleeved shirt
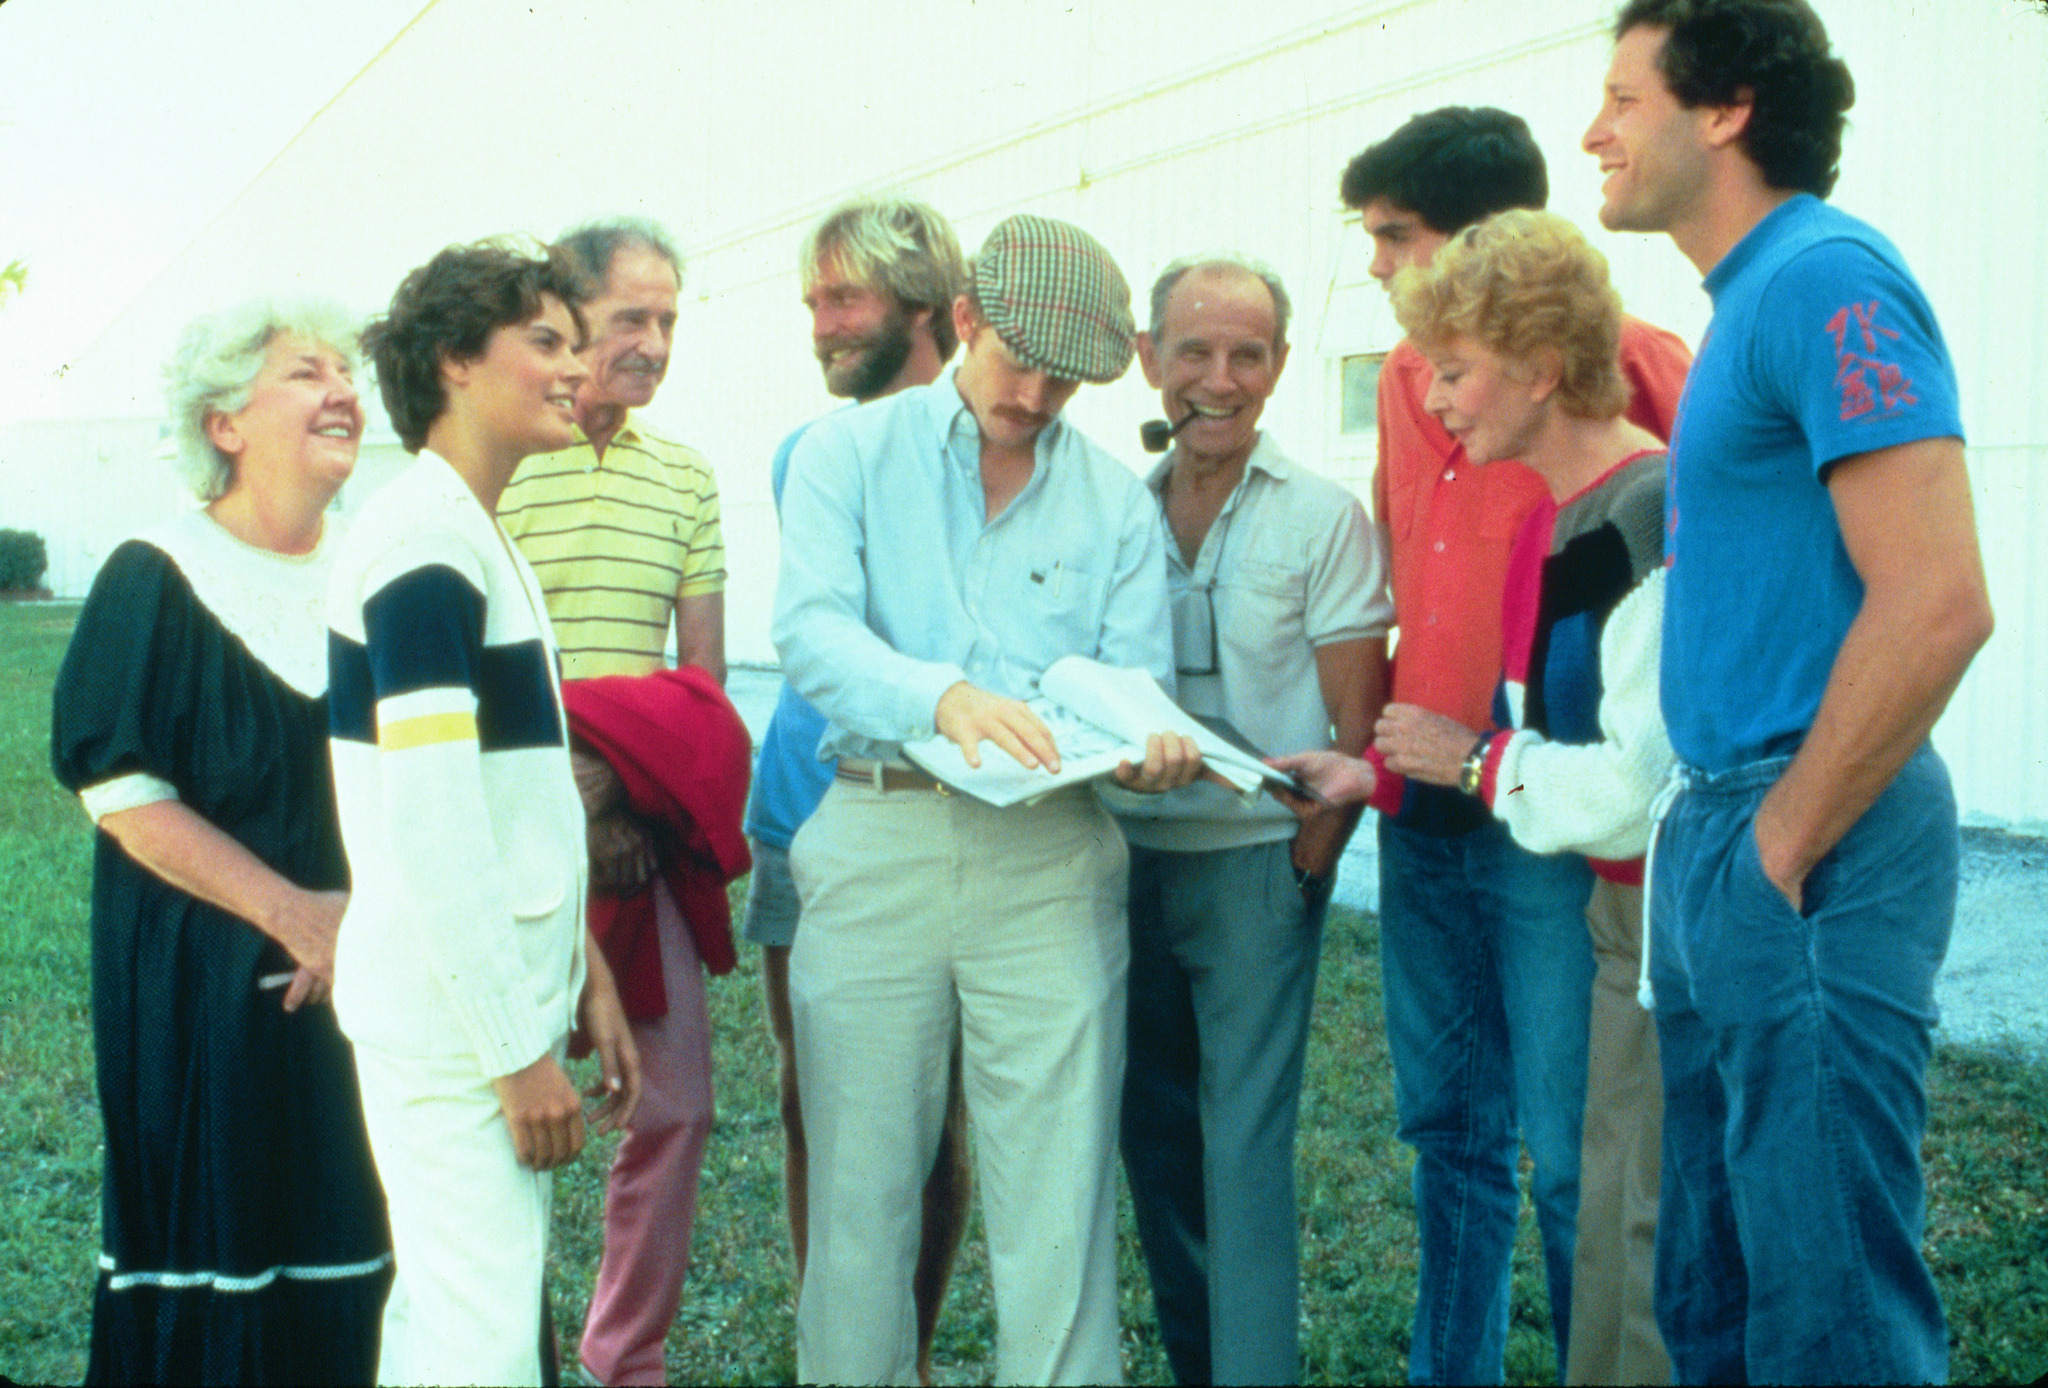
x=1289, y=565
x=895, y=585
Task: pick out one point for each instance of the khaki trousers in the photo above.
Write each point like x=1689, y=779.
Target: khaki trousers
x=919, y=909
x=1614, y=1326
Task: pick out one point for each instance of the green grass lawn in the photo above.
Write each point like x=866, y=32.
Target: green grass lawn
x=1987, y=1236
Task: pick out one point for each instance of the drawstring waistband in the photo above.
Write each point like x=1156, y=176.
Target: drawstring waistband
x=1674, y=785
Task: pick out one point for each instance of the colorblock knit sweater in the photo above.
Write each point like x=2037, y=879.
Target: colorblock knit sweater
x=465, y=834
x=1584, y=751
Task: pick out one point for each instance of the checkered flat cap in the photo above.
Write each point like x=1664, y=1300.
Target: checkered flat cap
x=1056, y=299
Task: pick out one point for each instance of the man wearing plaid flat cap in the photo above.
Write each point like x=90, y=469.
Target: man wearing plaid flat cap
x=941, y=547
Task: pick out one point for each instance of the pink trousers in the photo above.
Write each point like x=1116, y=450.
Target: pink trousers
x=651, y=1202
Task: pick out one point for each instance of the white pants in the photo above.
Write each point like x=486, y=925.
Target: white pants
x=919, y=909
x=469, y=1225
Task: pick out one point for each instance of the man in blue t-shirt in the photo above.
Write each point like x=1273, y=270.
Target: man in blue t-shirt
x=1824, y=597
x=879, y=276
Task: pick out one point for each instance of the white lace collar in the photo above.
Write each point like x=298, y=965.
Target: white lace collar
x=275, y=603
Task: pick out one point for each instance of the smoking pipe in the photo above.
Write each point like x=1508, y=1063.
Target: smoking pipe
x=1156, y=434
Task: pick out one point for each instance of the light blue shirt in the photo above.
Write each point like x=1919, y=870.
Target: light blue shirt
x=894, y=586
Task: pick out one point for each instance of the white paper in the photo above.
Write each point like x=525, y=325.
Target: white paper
x=1099, y=715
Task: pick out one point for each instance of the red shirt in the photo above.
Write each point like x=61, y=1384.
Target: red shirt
x=1450, y=524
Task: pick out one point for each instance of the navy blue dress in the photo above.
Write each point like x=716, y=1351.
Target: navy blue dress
x=243, y=1230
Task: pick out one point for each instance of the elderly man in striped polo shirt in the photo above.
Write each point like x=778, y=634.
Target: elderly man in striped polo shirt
x=622, y=531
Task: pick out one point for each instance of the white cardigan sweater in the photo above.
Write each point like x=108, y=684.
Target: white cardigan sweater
x=465, y=835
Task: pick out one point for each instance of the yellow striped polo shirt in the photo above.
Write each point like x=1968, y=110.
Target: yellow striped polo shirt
x=615, y=542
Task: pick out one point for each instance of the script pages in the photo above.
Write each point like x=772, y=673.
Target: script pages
x=1098, y=715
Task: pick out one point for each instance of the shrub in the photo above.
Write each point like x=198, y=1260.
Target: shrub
x=23, y=559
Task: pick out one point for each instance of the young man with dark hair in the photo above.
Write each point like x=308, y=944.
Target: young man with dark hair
x=1485, y=949
x=1805, y=873
x=1450, y=167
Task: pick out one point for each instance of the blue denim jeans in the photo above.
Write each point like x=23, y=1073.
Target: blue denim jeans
x=1224, y=949
x=1488, y=971
x=1795, y=1048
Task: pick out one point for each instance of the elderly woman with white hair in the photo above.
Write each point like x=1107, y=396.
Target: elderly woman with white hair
x=243, y=1230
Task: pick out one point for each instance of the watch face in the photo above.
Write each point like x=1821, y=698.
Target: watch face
x=1474, y=769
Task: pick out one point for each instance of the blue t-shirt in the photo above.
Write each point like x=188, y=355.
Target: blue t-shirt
x=1821, y=347
x=789, y=780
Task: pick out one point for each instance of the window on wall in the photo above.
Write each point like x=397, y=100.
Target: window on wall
x=1359, y=389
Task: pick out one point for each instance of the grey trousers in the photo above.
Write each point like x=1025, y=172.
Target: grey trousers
x=1224, y=950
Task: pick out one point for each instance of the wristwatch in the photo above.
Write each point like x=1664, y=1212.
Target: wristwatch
x=1474, y=769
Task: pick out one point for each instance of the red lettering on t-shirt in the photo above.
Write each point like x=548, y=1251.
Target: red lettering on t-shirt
x=1853, y=367
x=1857, y=396
x=1894, y=387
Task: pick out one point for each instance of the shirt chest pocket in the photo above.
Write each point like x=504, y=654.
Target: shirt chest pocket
x=1053, y=603
x=1403, y=501
x=1263, y=597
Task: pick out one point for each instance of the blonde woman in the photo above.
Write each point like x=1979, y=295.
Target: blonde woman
x=1522, y=328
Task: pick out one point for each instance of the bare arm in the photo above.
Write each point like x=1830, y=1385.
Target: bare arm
x=603, y=1018
x=1353, y=678
x=1422, y=745
x=700, y=633
x=171, y=839
x=621, y=853
x=1337, y=778
x=1911, y=532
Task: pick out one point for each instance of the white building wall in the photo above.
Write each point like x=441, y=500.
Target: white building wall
x=76, y=483
x=1245, y=151
x=1948, y=154
x=1210, y=125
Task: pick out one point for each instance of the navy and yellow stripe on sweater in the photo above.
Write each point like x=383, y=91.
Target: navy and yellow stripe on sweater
x=432, y=678
x=464, y=830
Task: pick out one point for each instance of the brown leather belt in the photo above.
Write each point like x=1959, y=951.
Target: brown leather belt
x=883, y=777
